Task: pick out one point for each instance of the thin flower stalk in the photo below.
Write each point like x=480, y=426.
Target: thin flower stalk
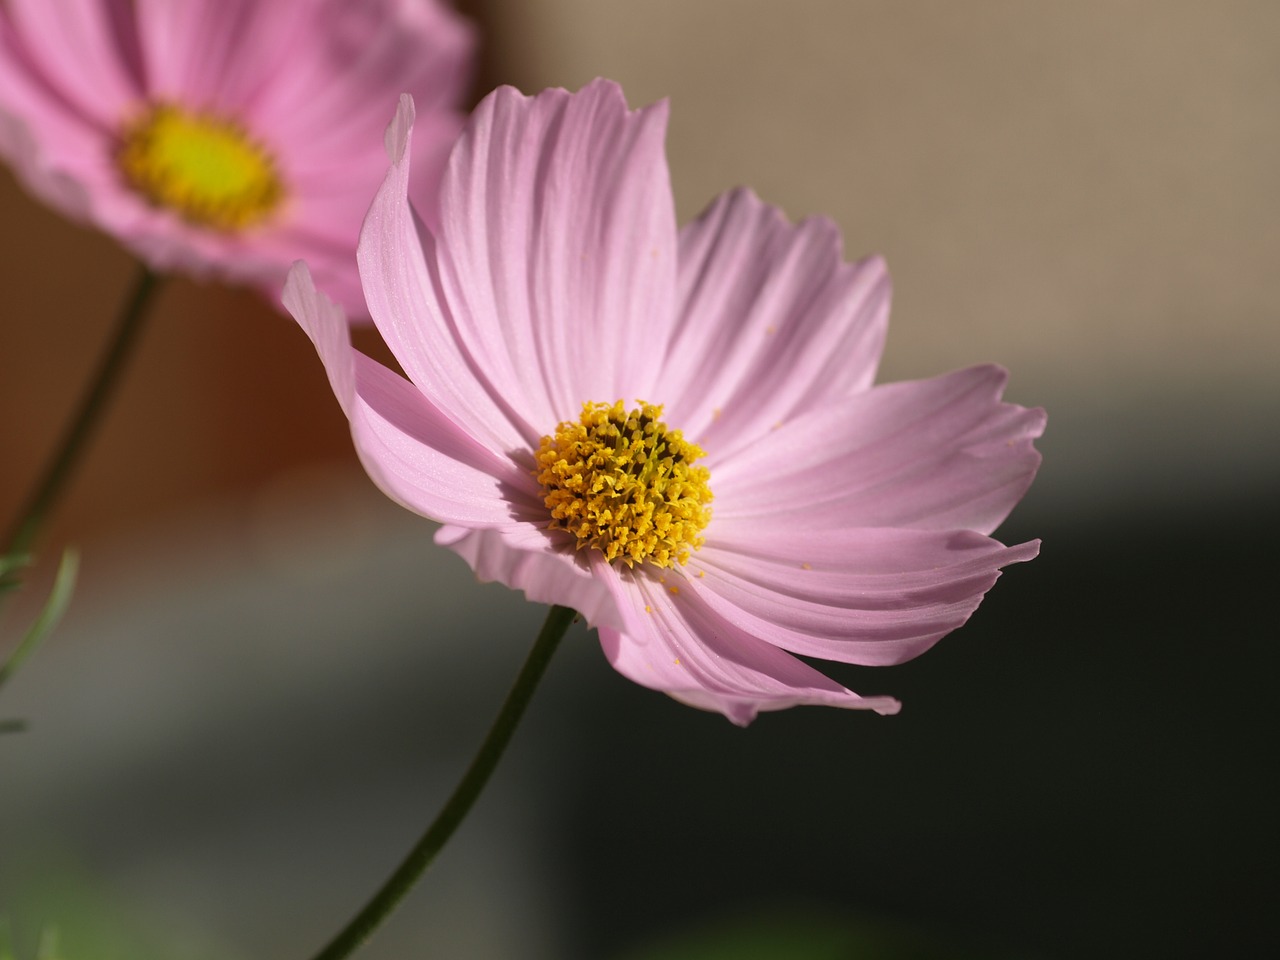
x=463, y=797
x=79, y=431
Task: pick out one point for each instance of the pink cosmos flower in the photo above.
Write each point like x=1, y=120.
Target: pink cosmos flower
x=675, y=433
x=227, y=137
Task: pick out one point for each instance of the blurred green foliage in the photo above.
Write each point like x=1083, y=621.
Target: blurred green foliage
x=61, y=913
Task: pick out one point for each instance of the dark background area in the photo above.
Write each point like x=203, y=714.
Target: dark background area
x=1084, y=770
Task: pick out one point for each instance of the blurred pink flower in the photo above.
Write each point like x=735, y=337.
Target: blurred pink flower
x=849, y=521
x=227, y=138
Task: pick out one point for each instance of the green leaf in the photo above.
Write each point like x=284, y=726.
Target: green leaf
x=63, y=585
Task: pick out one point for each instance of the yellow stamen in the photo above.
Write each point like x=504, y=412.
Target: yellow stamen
x=201, y=166
x=621, y=482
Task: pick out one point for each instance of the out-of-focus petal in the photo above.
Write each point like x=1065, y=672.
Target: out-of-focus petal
x=867, y=596
x=217, y=54
x=346, y=58
x=557, y=248
x=85, y=50
x=330, y=192
x=940, y=454
x=26, y=152
x=675, y=643
x=58, y=151
x=772, y=321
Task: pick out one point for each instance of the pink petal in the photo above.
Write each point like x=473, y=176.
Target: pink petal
x=67, y=159
x=529, y=558
x=674, y=642
x=423, y=461
x=331, y=265
x=59, y=149
x=345, y=59
x=85, y=50
x=337, y=176
x=558, y=247
x=169, y=244
x=31, y=161
x=214, y=54
x=322, y=221
x=868, y=596
x=414, y=454
x=939, y=454
x=326, y=325
x=772, y=321
x=402, y=289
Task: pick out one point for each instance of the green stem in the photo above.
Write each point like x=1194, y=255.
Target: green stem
x=74, y=441
x=464, y=795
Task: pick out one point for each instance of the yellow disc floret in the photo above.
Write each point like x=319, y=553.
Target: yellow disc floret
x=203, y=167
x=621, y=482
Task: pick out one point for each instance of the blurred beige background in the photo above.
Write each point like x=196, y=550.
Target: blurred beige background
x=1084, y=192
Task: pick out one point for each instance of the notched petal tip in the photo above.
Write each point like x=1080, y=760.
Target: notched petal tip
x=603, y=87
x=400, y=129
x=606, y=94
x=604, y=84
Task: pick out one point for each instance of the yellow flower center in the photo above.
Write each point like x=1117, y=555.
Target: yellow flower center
x=203, y=167
x=621, y=482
